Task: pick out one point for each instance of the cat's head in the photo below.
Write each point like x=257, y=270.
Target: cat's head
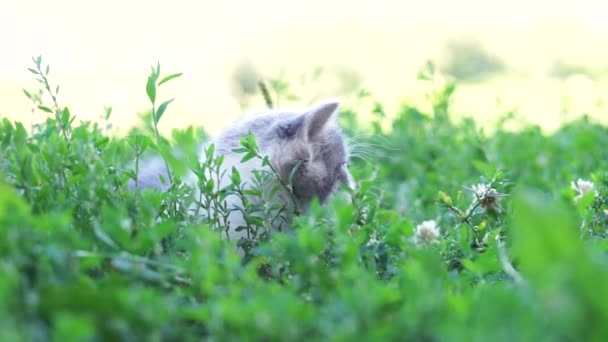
x=312, y=150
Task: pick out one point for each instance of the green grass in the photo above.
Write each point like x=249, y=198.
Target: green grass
x=82, y=258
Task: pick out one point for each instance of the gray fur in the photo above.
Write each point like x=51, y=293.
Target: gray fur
x=150, y=174
x=309, y=138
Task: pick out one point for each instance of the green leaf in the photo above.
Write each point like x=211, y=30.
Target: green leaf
x=45, y=109
x=292, y=97
x=151, y=88
x=252, y=192
x=585, y=202
x=169, y=78
x=248, y=156
x=139, y=141
x=243, y=141
x=240, y=150
x=28, y=168
x=33, y=71
x=251, y=141
x=210, y=150
x=161, y=110
x=275, y=189
x=65, y=116
x=545, y=235
x=294, y=170
x=103, y=236
x=29, y=96
x=236, y=176
x=487, y=169
x=471, y=266
x=210, y=186
x=219, y=160
x=108, y=111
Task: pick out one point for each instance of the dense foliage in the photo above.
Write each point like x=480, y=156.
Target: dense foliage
x=452, y=234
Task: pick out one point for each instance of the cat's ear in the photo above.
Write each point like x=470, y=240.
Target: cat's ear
x=318, y=116
x=310, y=123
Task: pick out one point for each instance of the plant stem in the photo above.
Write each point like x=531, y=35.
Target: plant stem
x=288, y=187
x=64, y=129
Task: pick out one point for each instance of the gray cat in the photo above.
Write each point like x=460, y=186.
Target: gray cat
x=309, y=140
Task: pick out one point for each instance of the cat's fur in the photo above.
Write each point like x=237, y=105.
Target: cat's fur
x=309, y=138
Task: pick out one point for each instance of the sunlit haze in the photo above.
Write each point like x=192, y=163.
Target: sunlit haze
x=101, y=52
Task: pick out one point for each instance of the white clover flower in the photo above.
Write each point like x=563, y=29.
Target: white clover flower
x=364, y=215
x=479, y=190
x=582, y=187
x=373, y=239
x=426, y=232
x=487, y=196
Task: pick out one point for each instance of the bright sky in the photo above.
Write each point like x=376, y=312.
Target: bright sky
x=119, y=34
x=100, y=52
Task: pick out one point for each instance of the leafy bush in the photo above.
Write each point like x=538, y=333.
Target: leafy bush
x=562, y=70
x=467, y=59
x=450, y=235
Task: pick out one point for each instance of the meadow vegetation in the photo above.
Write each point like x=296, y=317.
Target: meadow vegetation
x=451, y=234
